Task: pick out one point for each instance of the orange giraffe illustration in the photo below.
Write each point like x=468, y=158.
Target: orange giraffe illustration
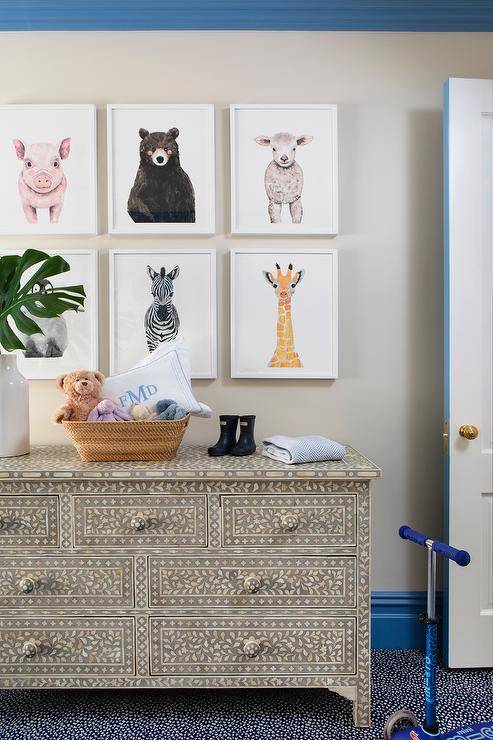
x=284, y=287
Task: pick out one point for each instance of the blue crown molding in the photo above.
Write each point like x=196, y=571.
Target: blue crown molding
x=282, y=15
x=394, y=619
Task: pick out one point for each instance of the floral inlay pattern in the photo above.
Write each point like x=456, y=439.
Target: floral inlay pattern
x=140, y=521
x=66, y=581
x=192, y=461
x=289, y=582
x=84, y=646
x=28, y=521
x=216, y=645
x=289, y=520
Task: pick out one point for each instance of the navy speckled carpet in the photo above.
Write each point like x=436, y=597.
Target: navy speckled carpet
x=308, y=714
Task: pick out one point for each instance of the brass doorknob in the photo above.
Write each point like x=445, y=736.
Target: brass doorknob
x=468, y=431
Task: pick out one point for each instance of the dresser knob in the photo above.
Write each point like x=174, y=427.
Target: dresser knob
x=252, y=584
x=290, y=522
x=138, y=522
x=28, y=584
x=251, y=648
x=30, y=648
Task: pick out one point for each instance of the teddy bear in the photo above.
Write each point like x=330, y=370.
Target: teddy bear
x=83, y=391
x=162, y=191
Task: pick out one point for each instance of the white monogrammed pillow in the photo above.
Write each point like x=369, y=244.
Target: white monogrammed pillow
x=164, y=374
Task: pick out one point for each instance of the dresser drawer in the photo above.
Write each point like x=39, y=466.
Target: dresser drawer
x=28, y=521
x=289, y=520
x=45, y=646
x=140, y=521
x=58, y=581
x=253, y=581
x=241, y=645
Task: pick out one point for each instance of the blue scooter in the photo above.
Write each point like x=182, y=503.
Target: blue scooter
x=403, y=725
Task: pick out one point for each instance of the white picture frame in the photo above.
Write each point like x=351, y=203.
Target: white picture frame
x=195, y=141
x=49, y=163
x=305, y=186
x=82, y=351
x=255, y=312
x=195, y=295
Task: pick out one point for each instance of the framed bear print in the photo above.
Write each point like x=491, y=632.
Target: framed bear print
x=48, y=155
x=283, y=169
x=284, y=313
x=159, y=296
x=161, y=169
x=70, y=340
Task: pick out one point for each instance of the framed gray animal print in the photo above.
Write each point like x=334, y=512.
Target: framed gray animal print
x=284, y=313
x=160, y=296
x=283, y=169
x=71, y=340
x=49, y=183
x=161, y=169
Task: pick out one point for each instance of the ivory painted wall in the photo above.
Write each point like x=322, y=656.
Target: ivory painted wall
x=388, y=399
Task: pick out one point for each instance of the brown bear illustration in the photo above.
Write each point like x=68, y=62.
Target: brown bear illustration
x=162, y=191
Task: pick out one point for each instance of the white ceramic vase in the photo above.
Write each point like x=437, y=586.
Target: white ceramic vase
x=14, y=408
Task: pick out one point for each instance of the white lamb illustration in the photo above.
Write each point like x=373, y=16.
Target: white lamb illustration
x=284, y=177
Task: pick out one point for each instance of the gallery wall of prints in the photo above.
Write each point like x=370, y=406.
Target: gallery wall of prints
x=160, y=185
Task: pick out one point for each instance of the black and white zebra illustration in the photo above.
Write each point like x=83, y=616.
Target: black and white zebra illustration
x=161, y=322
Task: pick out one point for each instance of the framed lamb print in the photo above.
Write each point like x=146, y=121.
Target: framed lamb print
x=48, y=155
x=71, y=340
x=283, y=169
x=162, y=295
x=284, y=313
x=161, y=169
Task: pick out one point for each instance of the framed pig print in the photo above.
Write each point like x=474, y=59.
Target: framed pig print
x=283, y=169
x=284, y=313
x=68, y=341
x=159, y=296
x=48, y=183
x=161, y=169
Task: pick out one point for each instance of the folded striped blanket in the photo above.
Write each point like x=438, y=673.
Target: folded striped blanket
x=310, y=448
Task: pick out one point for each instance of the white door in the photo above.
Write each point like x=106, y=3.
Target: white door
x=469, y=377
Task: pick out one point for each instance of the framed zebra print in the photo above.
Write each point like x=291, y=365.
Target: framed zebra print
x=284, y=313
x=157, y=296
x=161, y=169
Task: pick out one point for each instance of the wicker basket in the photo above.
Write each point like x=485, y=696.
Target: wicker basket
x=97, y=441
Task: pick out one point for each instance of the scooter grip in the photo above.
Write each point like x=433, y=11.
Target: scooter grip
x=461, y=557
x=413, y=535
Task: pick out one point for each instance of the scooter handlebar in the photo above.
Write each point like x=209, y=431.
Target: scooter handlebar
x=461, y=557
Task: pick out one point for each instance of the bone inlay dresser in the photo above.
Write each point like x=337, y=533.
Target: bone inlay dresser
x=198, y=572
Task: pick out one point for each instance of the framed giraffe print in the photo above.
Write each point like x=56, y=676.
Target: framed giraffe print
x=284, y=313
x=159, y=296
x=284, y=169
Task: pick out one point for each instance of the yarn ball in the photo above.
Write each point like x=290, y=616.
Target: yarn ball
x=164, y=404
x=141, y=413
x=172, y=412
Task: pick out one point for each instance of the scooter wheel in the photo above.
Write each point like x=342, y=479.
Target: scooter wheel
x=399, y=721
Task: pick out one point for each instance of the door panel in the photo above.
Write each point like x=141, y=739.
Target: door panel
x=469, y=233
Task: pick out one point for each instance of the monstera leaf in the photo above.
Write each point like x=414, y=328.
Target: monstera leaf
x=16, y=297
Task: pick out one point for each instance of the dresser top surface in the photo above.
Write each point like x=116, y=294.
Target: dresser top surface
x=191, y=463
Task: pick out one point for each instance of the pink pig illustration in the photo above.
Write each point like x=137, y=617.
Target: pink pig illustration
x=42, y=182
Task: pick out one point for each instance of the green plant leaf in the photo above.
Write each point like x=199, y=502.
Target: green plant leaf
x=8, y=339
x=16, y=299
x=24, y=323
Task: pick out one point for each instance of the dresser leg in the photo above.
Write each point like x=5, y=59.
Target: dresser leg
x=362, y=708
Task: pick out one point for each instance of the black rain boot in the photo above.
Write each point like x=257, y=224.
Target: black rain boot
x=246, y=442
x=227, y=440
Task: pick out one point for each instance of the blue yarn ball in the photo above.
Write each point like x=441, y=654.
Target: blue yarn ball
x=163, y=405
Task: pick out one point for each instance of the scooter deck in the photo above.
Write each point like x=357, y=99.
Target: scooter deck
x=483, y=731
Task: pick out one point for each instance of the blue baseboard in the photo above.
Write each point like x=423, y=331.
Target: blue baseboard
x=394, y=619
